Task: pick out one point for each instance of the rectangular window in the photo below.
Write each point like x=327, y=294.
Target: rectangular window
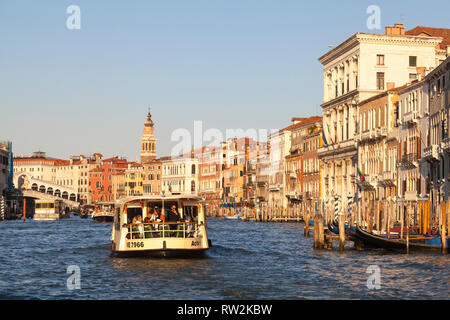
x=380, y=80
x=380, y=59
x=412, y=76
x=413, y=61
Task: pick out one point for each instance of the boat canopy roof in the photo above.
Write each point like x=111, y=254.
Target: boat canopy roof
x=186, y=197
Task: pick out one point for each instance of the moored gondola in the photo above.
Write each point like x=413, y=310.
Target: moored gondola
x=416, y=243
x=350, y=231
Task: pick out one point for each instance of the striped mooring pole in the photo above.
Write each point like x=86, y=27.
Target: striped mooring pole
x=336, y=206
x=349, y=201
x=2, y=208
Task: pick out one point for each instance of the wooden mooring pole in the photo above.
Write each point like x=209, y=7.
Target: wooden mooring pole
x=306, y=229
x=318, y=232
x=341, y=232
x=443, y=230
x=407, y=227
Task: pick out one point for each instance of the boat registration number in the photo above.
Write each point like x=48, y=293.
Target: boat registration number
x=135, y=244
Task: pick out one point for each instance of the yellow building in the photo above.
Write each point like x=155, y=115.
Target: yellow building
x=134, y=177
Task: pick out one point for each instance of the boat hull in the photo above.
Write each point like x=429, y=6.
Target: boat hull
x=167, y=253
x=396, y=245
x=103, y=219
x=236, y=218
x=49, y=216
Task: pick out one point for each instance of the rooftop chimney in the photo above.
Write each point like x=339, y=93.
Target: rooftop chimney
x=421, y=73
x=397, y=30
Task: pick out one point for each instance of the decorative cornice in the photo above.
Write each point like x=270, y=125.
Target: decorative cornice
x=374, y=38
x=348, y=96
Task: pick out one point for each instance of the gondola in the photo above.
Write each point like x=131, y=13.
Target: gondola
x=416, y=243
x=350, y=231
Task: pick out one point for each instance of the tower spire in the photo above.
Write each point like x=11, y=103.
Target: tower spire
x=148, y=140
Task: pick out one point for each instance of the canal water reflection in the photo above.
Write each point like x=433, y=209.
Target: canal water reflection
x=247, y=261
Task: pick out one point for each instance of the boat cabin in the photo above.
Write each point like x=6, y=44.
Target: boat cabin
x=159, y=224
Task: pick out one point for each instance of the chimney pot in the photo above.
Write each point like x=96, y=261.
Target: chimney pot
x=397, y=29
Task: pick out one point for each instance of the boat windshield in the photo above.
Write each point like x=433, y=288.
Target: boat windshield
x=157, y=219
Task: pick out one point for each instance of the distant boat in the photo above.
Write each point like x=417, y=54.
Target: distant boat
x=104, y=212
x=416, y=243
x=235, y=217
x=84, y=215
x=47, y=210
x=103, y=216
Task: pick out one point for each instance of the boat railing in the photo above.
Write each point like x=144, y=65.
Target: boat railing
x=162, y=230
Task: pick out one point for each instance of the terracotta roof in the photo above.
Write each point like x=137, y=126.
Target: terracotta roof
x=56, y=162
x=432, y=32
x=297, y=119
x=134, y=164
x=305, y=122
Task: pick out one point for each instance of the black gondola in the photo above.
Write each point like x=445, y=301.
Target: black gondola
x=415, y=243
x=350, y=232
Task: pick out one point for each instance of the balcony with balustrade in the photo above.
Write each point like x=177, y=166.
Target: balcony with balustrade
x=431, y=153
x=389, y=178
x=411, y=117
x=337, y=148
x=410, y=160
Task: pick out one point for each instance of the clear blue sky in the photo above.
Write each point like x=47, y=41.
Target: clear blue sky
x=232, y=64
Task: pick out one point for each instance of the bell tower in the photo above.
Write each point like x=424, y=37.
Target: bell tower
x=148, y=141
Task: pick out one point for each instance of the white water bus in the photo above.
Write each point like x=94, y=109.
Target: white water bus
x=50, y=210
x=132, y=235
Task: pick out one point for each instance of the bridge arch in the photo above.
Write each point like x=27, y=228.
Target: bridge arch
x=24, y=181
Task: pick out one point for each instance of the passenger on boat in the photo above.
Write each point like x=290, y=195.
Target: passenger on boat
x=155, y=218
x=140, y=227
x=189, y=226
x=149, y=215
x=161, y=215
x=173, y=216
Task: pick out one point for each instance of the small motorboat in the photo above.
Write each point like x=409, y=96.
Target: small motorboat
x=103, y=212
x=235, y=217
